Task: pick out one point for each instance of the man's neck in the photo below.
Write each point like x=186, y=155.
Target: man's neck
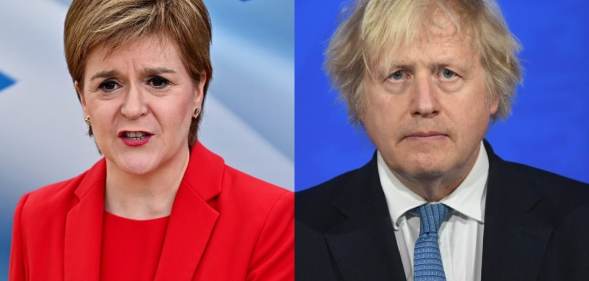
x=434, y=188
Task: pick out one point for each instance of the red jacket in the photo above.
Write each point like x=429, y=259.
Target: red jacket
x=224, y=225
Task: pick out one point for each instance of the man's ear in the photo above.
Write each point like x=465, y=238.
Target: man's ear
x=494, y=105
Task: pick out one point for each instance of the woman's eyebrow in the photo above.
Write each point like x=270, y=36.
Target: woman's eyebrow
x=158, y=70
x=104, y=74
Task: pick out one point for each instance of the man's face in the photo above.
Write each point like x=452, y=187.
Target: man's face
x=428, y=110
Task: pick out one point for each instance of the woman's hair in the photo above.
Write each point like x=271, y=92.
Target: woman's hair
x=93, y=23
x=374, y=28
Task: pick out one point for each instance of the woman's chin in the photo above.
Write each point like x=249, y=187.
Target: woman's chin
x=135, y=165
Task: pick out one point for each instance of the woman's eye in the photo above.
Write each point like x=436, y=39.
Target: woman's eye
x=109, y=85
x=397, y=75
x=448, y=74
x=158, y=82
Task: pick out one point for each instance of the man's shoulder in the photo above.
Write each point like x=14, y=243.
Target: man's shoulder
x=327, y=191
x=559, y=196
x=315, y=205
x=545, y=181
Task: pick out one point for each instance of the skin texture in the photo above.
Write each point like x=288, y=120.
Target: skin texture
x=141, y=86
x=428, y=110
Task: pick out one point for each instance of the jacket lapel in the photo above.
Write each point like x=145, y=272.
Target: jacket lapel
x=83, y=229
x=193, y=217
x=515, y=235
x=363, y=245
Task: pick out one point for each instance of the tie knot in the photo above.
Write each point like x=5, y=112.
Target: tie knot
x=431, y=217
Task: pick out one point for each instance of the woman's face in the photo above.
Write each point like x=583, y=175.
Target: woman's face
x=140, y=100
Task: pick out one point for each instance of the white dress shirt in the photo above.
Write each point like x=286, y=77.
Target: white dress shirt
x=460, y=237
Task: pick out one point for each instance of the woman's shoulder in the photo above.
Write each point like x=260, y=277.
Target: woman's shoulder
x=49, y=198
x=212, y=169
x=255, y=198
x=238, y=181
x=56, y=196
x=256, y=201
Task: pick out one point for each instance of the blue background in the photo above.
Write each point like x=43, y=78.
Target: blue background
x=549, y=126
x=5, y=81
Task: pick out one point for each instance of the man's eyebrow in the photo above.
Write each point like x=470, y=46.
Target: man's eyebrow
x=104, y=74
x=460, y=65
x=394, y=66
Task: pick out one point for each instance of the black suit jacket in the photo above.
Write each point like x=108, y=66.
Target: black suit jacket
x=536, y=227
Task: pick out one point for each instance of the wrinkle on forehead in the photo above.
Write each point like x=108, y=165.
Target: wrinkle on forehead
x=147, y=54
x=154, y=41
x=433, y=24
x=434, y=49
x=108, y=47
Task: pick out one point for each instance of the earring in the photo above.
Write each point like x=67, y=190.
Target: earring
x=87, y=120
x=196, y=113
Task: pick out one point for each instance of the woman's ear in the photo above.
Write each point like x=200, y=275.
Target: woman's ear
x=81, y=97
x=199, y=91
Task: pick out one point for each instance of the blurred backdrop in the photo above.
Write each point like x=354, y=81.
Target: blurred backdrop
x=549, y=127
x=248, y=115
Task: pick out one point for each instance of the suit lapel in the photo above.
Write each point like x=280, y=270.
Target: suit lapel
x=363, y=245
x=367, y=253
x=191, y=223
x=515, y=236
x=193, y=218
x=83, y=229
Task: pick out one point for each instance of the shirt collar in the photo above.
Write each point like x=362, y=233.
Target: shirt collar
x=467, y=199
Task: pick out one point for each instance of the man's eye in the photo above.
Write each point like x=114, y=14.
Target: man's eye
x=397, y=75
x=109, y=85
x=158, y=82
x=448, y=74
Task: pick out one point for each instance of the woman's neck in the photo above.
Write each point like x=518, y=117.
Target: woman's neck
x=144, y=196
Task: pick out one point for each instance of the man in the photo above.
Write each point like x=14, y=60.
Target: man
x=425, y=79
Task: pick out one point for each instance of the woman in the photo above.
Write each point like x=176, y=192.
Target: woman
x=159, y=206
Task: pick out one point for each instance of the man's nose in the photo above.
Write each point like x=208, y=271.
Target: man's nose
x=424, y=101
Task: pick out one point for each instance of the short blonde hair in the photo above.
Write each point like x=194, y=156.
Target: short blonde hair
x=93, y=23
x=375, y=27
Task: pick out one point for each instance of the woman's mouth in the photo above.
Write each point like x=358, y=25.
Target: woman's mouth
x=135, y=138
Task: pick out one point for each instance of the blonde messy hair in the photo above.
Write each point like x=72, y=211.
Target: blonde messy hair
x=373, y=28
x=111, y=23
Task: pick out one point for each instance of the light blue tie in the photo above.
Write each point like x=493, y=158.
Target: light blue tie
x=427, y=260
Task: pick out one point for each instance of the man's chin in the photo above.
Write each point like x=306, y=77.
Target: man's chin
x=428, y=175
x=425, y=171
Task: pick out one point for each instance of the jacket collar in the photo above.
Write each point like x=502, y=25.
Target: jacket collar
x=190, y=226
x=516, y=230
x=363, y=242
x=83, y=228
x=193, y=216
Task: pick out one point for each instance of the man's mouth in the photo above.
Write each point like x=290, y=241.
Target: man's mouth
x=426, y=136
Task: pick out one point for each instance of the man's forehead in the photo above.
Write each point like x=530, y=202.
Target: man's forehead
x=439, y=35
x=431, y=50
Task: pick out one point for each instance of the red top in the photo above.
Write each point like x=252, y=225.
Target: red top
x=131, y=248
x=224, y=226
